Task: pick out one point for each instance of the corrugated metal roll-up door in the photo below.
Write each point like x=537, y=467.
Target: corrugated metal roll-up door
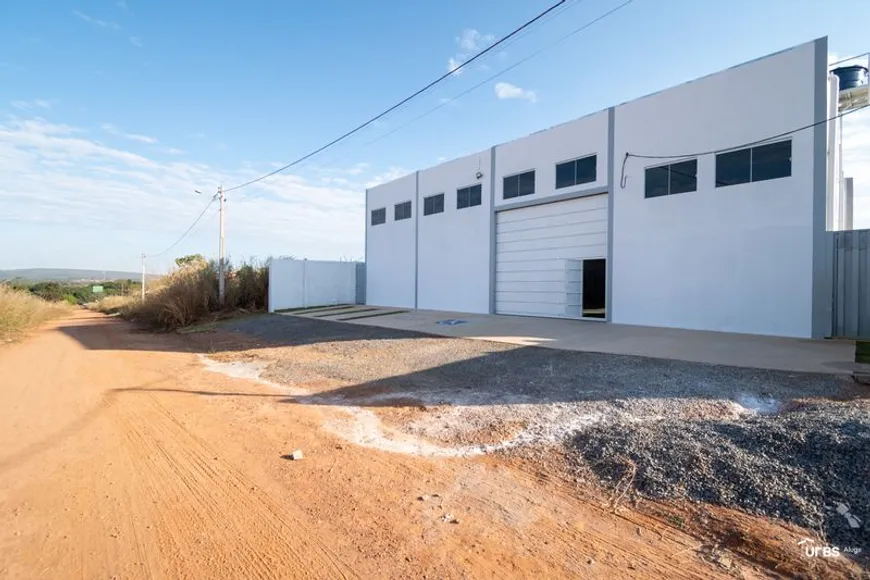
x=540, y=252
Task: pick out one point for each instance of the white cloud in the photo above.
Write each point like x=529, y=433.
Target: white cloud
x=141, y=138
x=453, y=66
x=470, y=42
x=96, y=21
x=52, y=176
x=30, y=105
x=389, y=175
x=174, y=151
x=135, y=41
x=473, y=41
x=357, y=169
x=508, y=91
x=841, y=60
x=114, y=130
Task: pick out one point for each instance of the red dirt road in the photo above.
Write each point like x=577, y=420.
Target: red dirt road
x=121, y=457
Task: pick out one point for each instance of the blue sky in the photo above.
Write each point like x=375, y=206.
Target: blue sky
x=113, y=111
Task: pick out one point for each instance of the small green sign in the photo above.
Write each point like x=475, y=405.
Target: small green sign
x=97, y=289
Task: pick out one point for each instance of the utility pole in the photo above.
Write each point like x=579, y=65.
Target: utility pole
x=143, y=277
x=222, y=271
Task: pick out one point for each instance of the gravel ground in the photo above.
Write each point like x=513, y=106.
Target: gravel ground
x=797, y=465
x=769, y=442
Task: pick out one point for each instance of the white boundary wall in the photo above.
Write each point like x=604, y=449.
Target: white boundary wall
x=304, y=283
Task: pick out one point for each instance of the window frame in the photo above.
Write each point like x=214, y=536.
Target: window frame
x=410, y=210
x=668, y=167
x=751, y=150
x=574, y=161
x=517, y=175
x=431, y=198
x=469, y=188
x=752, y=167
x=372, y=216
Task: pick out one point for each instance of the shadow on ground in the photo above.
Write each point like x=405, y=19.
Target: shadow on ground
x=705, y=432
x=348, y=364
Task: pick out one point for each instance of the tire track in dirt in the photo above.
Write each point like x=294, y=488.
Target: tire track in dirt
x=138, y=464
x=476, y=494
x=249, y=535
x=531, y=515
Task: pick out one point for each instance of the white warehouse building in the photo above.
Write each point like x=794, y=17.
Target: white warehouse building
x=721, y=227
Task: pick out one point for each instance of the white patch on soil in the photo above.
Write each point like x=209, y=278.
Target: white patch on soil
x=750, y=403
x=246, y=370
x=467, y=416
x=364, y=428
x=361, y=426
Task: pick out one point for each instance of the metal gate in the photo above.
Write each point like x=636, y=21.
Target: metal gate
x=852, y=284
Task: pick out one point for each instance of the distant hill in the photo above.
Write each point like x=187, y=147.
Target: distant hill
x=67, y=275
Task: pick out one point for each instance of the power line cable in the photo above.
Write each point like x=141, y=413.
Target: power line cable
x=477, y=56
x=741, y=146
x=857, y=56
x=756, y=142
x=553, y=15
x=187, y=231
x=488, y=79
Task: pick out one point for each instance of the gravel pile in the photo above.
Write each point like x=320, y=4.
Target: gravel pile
x=704, y=432
x=798, y=465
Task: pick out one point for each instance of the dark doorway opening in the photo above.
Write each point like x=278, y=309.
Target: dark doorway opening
x=594, y=283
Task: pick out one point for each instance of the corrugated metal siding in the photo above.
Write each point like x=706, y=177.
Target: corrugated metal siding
x=852, y=284
x=538, y=250
x=361, y=283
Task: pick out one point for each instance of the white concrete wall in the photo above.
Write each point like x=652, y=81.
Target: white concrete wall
x=543, y=150
x=453, y=252
x=737, y=258
x=304, y=283
x=391, y=247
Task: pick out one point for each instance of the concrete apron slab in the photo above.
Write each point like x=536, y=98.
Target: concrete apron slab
x=351, y=312
x=740, y=350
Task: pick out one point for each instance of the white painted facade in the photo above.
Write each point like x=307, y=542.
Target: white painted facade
x=391, y=248
x=541, y=151
x=736, y=258
x=454, y=245
x=304, y=283
x=739, y=258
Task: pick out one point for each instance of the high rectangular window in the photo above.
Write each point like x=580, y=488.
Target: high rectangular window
x=469, y=196
x=518, y=185
x=403, y=211
x=734, y=167
x=759, y=163
x=669, y=179
x=379, y=216
x=576, y=172
x=771, y=161
x=433, y=204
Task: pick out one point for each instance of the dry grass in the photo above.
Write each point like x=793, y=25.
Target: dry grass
x=190, y=295
x=113, y=304
x=21, y=310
